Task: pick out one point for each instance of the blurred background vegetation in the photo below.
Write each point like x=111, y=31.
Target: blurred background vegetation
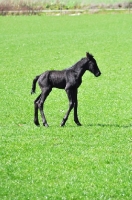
x=38, y=6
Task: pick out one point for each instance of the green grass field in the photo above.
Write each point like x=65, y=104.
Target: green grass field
x=93, y=161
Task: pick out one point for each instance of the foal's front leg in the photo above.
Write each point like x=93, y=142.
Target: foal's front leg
x=72, y=96
x=76, y=120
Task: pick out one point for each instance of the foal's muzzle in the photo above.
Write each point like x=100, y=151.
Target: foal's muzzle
x=98, y=74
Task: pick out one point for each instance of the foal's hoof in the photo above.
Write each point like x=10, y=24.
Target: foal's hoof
x=32, y=92
x=62, y=124
x=37, y=123
x=79, y=124
x=45, y=124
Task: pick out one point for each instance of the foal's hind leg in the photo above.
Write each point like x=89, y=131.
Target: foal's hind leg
x=44, y=94
x=71, y=104
x=36, y=121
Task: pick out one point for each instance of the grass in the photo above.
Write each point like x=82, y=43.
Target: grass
x=88, y=162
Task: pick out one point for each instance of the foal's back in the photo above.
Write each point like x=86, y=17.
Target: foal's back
x=63, y=78
x=53, y=78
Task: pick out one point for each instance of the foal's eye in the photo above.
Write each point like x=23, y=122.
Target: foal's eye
x=90, y=62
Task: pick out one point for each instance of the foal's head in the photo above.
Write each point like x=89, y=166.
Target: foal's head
x=92, y=65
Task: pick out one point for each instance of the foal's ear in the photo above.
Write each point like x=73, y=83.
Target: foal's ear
x=87, y=54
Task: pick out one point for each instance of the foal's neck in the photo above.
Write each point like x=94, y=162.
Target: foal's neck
x=80, y=67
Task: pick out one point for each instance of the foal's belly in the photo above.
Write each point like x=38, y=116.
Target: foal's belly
x=57, y=79
x=59, y=84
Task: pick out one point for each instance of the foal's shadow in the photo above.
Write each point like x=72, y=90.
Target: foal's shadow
x=100, y=125
x=110, y=125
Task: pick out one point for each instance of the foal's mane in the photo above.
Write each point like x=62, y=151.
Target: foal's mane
x=81, y=62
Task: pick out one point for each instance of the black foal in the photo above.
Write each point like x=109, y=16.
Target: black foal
x=69, y=79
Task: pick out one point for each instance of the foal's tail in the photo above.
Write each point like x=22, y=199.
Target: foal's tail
x=34, y=84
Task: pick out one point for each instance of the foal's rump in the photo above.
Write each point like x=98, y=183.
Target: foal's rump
x=43, y=80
